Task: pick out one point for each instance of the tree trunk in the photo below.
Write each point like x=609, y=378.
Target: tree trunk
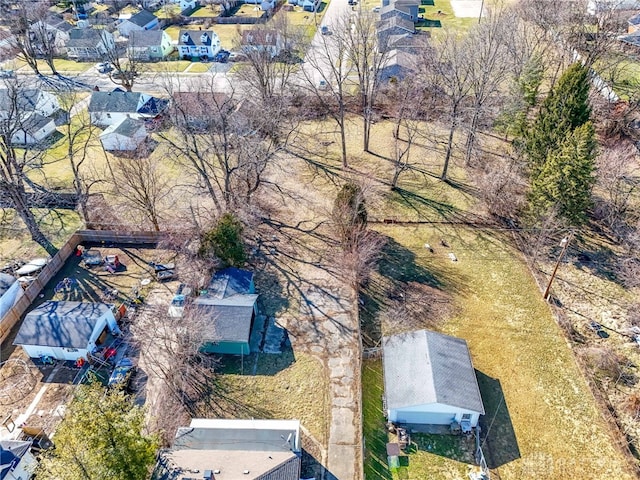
x=452, y=129
x=343, y=135
x=471, y=138
x=30, y=220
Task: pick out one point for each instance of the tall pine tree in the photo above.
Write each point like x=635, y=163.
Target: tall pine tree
x=565, y=108
x=566, y=179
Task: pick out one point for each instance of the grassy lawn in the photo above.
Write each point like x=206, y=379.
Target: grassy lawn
x=542, y=415
x=439, y=15
x=174, y=66
x=206, y=11
x=199, y=67
x=63, y=65
x=167, y=11
x=173, y=31
x=228, y=34
x=284, y=386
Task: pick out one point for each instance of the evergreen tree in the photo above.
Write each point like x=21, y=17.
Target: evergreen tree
x=567, y=177
x=565, y=108
x=225, y=241
x=100, y=438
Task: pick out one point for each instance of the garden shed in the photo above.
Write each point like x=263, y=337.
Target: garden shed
x=429, y=379
x=66, y=330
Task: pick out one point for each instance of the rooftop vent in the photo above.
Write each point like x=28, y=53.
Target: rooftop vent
x=246, y=472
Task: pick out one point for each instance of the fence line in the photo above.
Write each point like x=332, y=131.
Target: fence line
x=58, y=261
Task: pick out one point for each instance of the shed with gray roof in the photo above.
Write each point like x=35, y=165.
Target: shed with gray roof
x=66, y=330
x=429, y=379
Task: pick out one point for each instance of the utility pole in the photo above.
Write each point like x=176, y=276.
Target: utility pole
x=564, y=243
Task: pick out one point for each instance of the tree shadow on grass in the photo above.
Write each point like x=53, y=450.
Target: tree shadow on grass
x=498, y=438
x=423, y=206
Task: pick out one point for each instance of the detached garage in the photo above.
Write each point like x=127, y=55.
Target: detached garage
x=429, y=379
x=66, y=330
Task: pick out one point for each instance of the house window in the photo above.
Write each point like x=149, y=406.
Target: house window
x=108, y=115
x=466, y=416
x=71, y=350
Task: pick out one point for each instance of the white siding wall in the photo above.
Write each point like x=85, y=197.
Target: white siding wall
x=34, y=351
x=24, y=469
x=432, y=414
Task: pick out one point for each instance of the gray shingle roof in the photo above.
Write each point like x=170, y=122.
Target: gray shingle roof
x=145, y=38
x=27, y=99
x=635, y=20
x=195, y=37
x=35, y=122
x=6, y=281
x=425, y=367
x=396, y=21
x=229, y=323
x=61, y=324
x=116, y=101
x=142, y=18
x=85, y=37
x=128, y=127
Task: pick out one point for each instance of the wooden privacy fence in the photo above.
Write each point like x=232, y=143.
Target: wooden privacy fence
x=59, y=259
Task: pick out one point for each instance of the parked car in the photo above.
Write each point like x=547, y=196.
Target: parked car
x=375, y=9
x=120, y=75
x=324, y=30
x=92, y=258
x=104, y=67
x=163, y=275
x=237, y=57
x=121, y=376
x=7, y=74
x=222, y=56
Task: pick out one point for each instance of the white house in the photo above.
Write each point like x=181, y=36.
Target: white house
x=111, y=108
x=235, y=449
x=29, y=114
x=10, y=292
x=141, y=21
x=58, y=29
x=66, y=330
x=124, y=136
x=429, y=379
x=268, y=40
x=186, y=4
x=198, y=43
x=16, y=460
x=599, y=6
x=86, y=44
x=33, y=130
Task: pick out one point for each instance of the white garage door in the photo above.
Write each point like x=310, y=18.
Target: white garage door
x=426, y=418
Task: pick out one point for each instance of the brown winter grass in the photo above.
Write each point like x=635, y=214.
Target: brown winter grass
x=542, y=418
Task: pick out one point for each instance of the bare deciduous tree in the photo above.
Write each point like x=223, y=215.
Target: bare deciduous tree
x=125, y=67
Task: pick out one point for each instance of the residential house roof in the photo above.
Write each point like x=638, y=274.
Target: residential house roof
x=59, y=23
x=11, y=451
x=61, y=324
x=27, y=99
x=142, y=18
x=635, y=20
x=397, y=22
x=128, y=127
x=631, y=39
x=115, y=101
x=398, y=64
x=196, y=37
x=400, y=6
x=230, y=281
x=228, y=323
x=146, y=38
x=260, y=37
x=238, y=449
x=6, y=281
x=35, y=122
x=86, y=37
x=424, y=367
x=408, y=42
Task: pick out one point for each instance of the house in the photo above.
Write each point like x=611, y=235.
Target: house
x=57, y=27
x=33, y=130
x=186, y=4
x=141, y=21
x=265, y=5
x=405, y=9
x=234, y=449
x=87, y=44
x=229, y=308
x=110, y=108
x=30, y=113
x=127, y=135
x=429, y=379
x=309, y=5
x=10, y=292
x=267, y=40
x=392, y=29
x=16, y=460
x=193, y=109
x=66, y=330
x=397, y=66
x=198, y=43
x=150, y=45
x=633, y=24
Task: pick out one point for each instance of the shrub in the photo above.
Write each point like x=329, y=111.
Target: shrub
x=224, y=241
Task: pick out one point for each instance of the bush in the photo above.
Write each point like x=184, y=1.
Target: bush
x=224, y=241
